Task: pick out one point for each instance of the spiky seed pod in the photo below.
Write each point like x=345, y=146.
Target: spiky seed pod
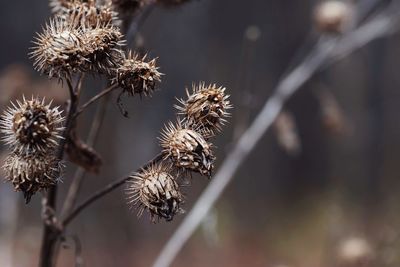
x=86, y=13
x=58, y=49
x=187, y=149
x=206, y=107
x=102, y=48
x=31, y=126
x=136, y=76
x=155, y=189
x=30, y=174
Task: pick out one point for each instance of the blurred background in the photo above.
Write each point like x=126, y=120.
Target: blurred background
x=320, y=190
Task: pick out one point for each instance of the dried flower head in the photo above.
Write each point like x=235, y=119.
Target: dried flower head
x=30, y=174
x=58, y=49
x=136, y=76
x=206, y=107
x=86, y=13
x=102, y=48
x=31, y=126
x=187, y=149
x=332, y=16
x=155, y=189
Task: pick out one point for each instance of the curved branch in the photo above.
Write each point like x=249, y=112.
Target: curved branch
x=325, y=53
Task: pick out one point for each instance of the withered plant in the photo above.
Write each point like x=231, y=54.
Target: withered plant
x=87, y=38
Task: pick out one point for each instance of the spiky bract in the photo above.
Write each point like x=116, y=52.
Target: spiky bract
x=155, y=189
x=31, y=126
x=136, y=76
x=30, y=174
x=187, y=149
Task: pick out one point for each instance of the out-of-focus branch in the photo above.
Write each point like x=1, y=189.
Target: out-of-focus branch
x=326, y=52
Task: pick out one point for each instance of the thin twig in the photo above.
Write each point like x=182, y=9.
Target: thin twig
x=102, y=192
x=323, y=53
x=79, y=175
x=95, y=98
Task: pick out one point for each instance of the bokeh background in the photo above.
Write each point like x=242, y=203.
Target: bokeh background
x=320, y=190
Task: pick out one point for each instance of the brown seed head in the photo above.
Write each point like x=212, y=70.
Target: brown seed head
x=136, y=76
x=31, y=126
x=102, y=48
x=58, y=49
x=187, y=149
x=206, y=107
x=87, y=13
x=332, y=16
x=155, y=189
x=30, y=174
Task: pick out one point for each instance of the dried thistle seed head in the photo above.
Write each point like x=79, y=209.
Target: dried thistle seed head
x=136, y=76
x=86, y=13
x=187, y=149
x=102, y=48
x=58, y=49
x=332, y=16
x=30, y=174
x=31, y=126
x=206, y=107
x=155, y=189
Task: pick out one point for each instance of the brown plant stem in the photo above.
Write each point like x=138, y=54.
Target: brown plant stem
x=102, y=192
x=94, y=99
x=79, y=175
x=51, y=232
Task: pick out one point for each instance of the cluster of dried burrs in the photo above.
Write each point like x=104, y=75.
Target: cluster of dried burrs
x=86, y=37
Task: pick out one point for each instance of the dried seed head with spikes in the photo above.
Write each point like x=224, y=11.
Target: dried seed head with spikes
x=155, y=189
x=187, y=149
x=86, y=13
x=31, y=126
x=206, y=107
x=30, y=174
x=102, y=48
x=58, y=49
x=136, y=76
